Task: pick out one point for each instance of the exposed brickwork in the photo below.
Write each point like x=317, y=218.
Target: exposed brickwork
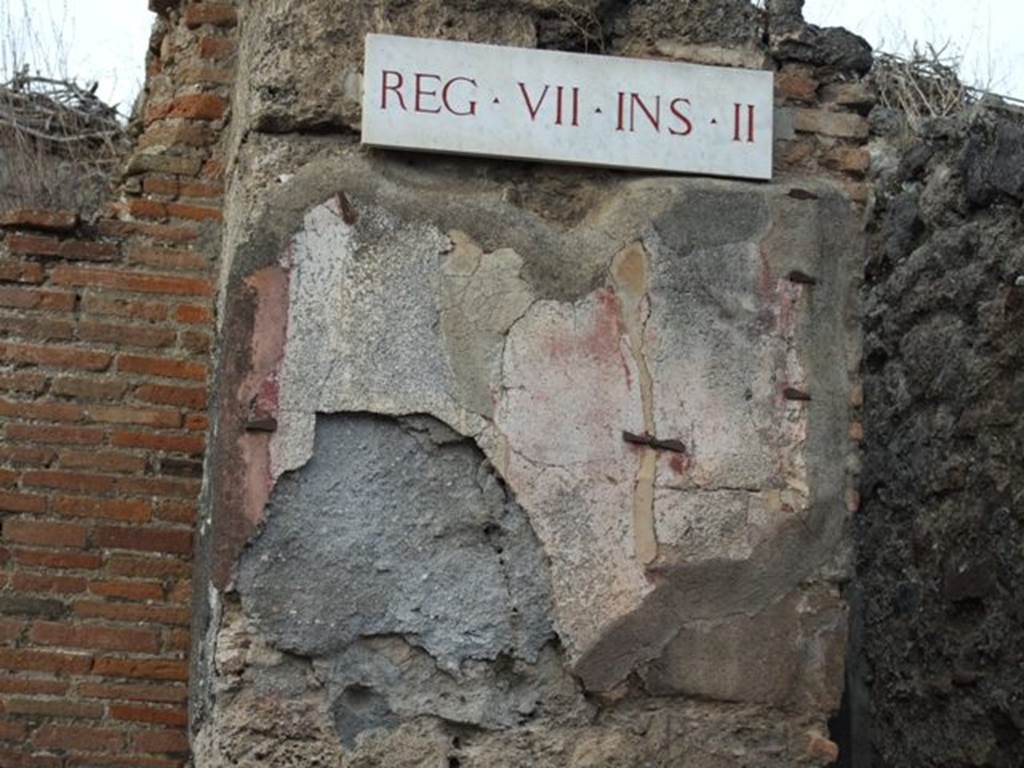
x=105, y=332
x=822, y=126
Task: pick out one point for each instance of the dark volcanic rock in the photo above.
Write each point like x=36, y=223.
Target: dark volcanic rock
x=941, y=531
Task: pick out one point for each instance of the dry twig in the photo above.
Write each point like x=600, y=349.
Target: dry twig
x=60, y=144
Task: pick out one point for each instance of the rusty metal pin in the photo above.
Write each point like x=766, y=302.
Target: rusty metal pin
x=796, y=276
x=792, y=393
x=266, y=424
x=676, y=446
x=802, y=194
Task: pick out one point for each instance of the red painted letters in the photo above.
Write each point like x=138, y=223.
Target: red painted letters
x=424, y=96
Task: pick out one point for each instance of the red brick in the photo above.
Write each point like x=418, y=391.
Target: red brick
x=171, y=541
x=53, y=708
x=193, y=314
x=11, y=759
x=177, y=512
x=181, y=592
x=33, y=244
x=128, y=590
x=177, y=640
x=70, y=481
x=174, y=133
x=22, y=581
x=123, y=761
x=151, y=566
x=79, y=738
x=145, y=208
x=40, y=533
x=217, y=14
x=140, y=713
x=155, y=185
x=193, y=106
x=20, y=502
x=191, y=444
x=17, y=271
x=170, y=694
x=159, y=486
x=197, y=342
x=40, y=411
x=136, y=640
x=213, y=168
x=89, y=250
x=37, y=328
x=57, y=356
x=202, y=189
x=796, y=84
x=149, y=669
x=30, y=298
x=46, y=434
x=168, y=258
x=109, y=461
x=132, y=510
x=162, y=366
x=838, y=124
x=36, y=218
x=154, y=614
x=163, y=394
x=205, y=75
x=18, y=381
x=10, y=629
x=854, y=160
x=46, y=559
x=138, y=282
x=11, y=730
x=44, y=661
x=195, y=212
x=147, y=417
x=21, y=455
x=89, y=389
x=164, y=232
x=216, y=48
x=136, y=310
x=197, y=422
x=8, y=477
x=160, y=160
x=161, y=742
x=82, y=482
x=32, y=685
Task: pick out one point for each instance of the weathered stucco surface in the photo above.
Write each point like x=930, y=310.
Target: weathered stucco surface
x=457, y=532
x=437, y=536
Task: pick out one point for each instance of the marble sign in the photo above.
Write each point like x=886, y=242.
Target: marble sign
x=471, y=99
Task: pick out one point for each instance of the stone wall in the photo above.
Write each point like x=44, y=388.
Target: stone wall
x=940, y=677
x=424, y=539
x=106, y=332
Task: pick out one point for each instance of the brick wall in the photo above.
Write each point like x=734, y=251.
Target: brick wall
x=105, y=334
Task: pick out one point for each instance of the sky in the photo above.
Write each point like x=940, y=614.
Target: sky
x=105, y=40
x=93, y=40
x=984, y=34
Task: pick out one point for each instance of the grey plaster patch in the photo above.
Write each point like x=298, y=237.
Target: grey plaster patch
x=359, y=708
x=717, y=354
x=712, y=217
x=386, y=532
x=380, y=681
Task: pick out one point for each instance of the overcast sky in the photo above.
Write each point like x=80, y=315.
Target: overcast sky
x=105, y=40
x=987, y=34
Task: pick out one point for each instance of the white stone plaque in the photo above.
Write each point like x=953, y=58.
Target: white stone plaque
x=472, y=99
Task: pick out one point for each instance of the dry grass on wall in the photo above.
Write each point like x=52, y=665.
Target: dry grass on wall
x=60, y=145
